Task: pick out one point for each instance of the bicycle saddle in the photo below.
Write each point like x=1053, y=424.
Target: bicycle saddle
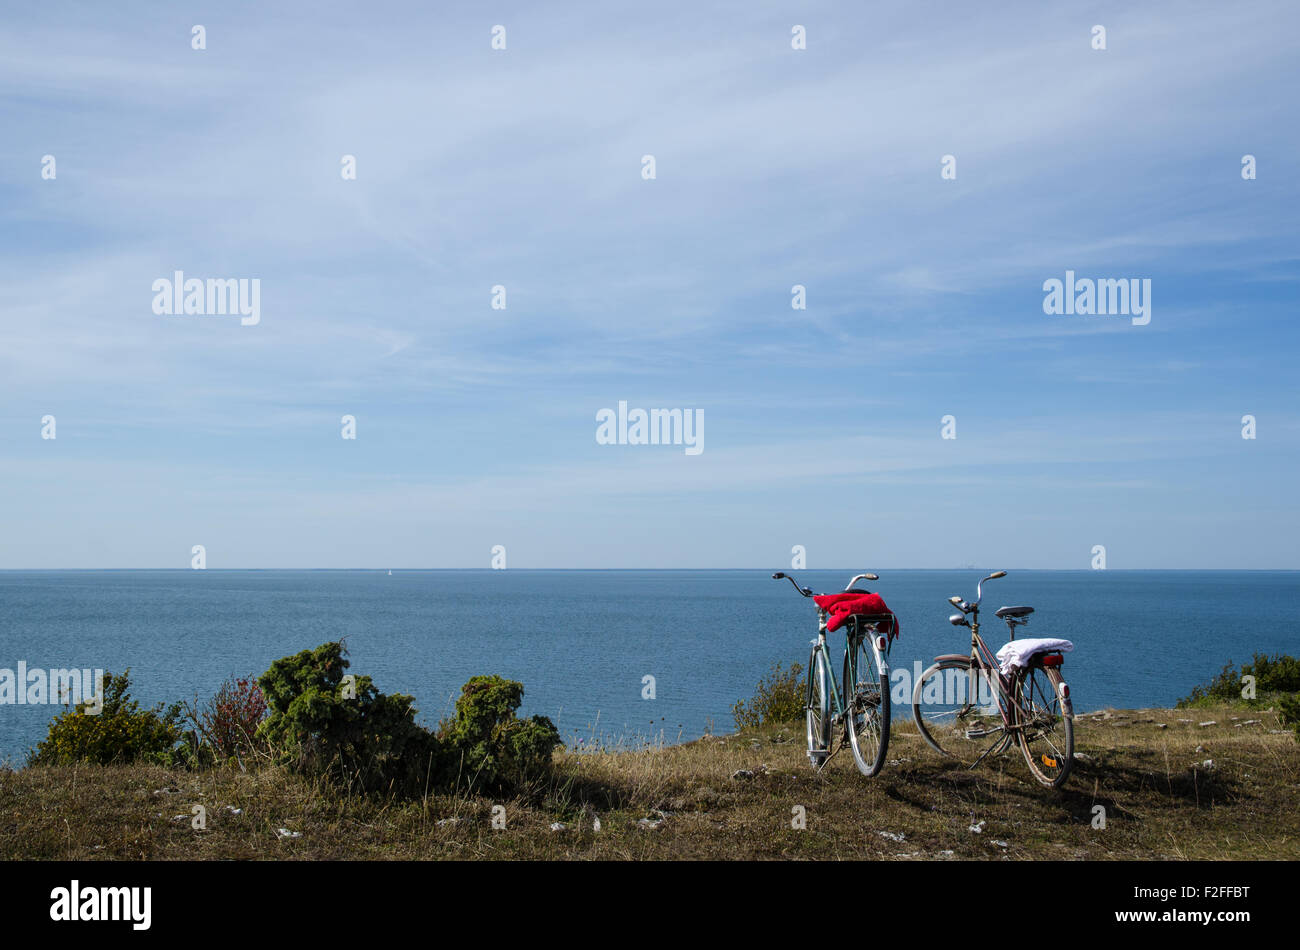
x=1014, y=611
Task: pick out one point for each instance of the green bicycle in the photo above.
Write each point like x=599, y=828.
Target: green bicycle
x=860, y=702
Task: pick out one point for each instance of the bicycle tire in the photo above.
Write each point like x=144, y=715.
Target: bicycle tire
x=1046, y=725
x=817, y=709
x=948, y=721
x=866, y=701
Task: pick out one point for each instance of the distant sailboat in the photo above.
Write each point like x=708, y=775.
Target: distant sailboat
x=390, y=573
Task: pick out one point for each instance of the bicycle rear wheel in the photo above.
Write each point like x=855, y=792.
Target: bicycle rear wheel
x=866, y=699
x=818, y=709
x=957, y=713
x=1046, y=725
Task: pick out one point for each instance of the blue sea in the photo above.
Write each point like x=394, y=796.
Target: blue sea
x=582, y=642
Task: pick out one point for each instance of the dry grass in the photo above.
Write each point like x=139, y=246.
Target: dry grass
x=1161, y=802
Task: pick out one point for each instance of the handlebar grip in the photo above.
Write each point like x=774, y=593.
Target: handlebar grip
x=997, y=574
x=777, y=576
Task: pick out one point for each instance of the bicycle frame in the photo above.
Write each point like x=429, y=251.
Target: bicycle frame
x=854, y=636
x=984, y=669
x=827, y=708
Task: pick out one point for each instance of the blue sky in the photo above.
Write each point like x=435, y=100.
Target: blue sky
x=774, y=167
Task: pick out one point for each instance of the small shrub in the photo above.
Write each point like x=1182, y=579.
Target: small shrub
x=371, y=742
x=226, y=726
x=1289, y=712
x=121, y=732
x=1273, y=675
x=351, y=732
x=488, y=746
x=779, y=697
x=232, y=716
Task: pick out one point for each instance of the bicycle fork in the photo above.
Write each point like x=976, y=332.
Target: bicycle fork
x=833, y=706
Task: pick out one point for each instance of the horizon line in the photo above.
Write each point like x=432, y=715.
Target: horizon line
x=414, y=570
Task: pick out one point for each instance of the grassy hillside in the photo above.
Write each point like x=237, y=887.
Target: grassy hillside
x=1148, y=768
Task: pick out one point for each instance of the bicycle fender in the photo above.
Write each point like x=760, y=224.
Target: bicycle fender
x=961, y=657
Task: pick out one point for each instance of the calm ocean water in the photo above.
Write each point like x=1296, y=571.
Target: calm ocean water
x=581, y=641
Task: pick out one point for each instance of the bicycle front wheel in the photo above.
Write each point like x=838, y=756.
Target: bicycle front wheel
x=1046, y=725
x=955, y=710
x=818, y=709
x=866, y=699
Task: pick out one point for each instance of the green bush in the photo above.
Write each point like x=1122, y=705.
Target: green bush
x=780, y=697
x=120, y=732
x=320, y=721
x=352, y=733
x=349, y=731
x=1289, y=712
x=1273, y=675
x=488, y=746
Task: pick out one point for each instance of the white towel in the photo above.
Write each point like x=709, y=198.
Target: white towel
x=1017, y=653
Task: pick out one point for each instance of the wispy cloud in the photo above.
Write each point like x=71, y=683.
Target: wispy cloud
x=522, y=168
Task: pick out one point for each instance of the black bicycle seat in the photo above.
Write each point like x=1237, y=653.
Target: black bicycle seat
x=1005, y=612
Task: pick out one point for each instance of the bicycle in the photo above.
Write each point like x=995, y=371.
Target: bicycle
x=861, y=704
x=957, y=713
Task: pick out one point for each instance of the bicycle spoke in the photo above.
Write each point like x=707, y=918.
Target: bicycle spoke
x=965, y=727
x=1031, y=708
x=1046, y=732
x=817, y=711
x=866, y=720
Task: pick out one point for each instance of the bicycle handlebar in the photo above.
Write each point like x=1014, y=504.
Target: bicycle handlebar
x=964, y=607
x=807, y=592
x=979, y=588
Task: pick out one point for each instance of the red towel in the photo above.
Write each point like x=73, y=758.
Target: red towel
x=845, y=605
